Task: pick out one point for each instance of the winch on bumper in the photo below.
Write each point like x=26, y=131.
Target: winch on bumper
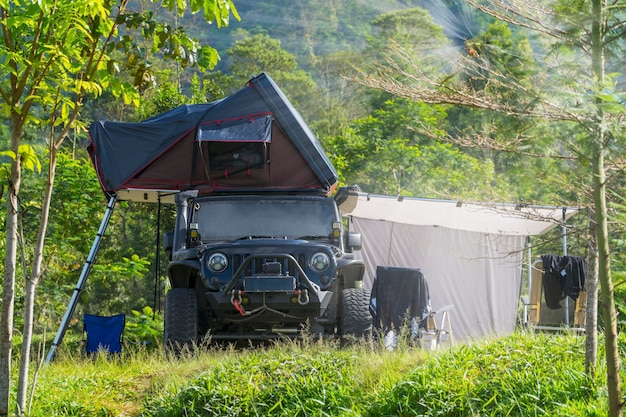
x=269, y=288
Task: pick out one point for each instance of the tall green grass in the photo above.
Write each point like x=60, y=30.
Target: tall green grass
x=103, y=385
x=284, y=380
x=519, y=375
x=522, y=375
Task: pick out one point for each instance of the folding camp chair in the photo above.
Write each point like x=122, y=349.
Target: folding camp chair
x=104, y=333
x=444, y=326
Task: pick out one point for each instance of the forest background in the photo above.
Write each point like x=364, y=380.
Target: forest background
x=383, y=143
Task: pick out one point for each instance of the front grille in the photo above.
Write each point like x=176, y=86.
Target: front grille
x=236, y=261
x=256, y=266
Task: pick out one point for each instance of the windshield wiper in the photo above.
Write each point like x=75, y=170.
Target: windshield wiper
x=313, y=237
x=255, y=237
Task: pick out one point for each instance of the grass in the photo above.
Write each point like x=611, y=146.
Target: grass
x=518, y=375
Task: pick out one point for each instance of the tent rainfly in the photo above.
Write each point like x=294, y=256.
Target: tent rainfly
x=471, y=254
x=253, y=140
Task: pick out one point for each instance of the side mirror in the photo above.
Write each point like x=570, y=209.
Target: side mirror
x=168, y=241
x=354, y=241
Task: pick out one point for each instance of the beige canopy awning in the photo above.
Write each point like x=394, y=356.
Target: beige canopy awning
x=493, y=218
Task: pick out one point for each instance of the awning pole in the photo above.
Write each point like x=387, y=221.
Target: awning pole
x=564, y=229
x=81, y=280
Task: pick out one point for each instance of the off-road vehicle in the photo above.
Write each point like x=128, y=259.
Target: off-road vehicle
x=259, y=249
x=261, y=266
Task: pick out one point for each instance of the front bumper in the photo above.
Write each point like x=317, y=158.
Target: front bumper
x=269, y=302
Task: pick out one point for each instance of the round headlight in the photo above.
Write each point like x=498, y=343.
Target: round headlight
x=217, y=262
x=319, y=261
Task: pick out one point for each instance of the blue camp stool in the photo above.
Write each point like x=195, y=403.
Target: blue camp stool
x=104, y=333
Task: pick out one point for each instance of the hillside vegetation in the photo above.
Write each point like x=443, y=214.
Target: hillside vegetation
x=307, y=28
x=518, y=375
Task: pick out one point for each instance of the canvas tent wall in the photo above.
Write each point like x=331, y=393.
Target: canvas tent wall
x=472, y=255
x=252, y=140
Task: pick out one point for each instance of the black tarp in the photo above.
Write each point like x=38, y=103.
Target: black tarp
x=253, y=140
x=398, y=295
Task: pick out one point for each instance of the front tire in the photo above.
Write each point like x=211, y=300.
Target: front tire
x=355, y=318
x=180, y=328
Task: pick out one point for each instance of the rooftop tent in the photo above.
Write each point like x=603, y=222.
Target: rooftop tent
x=471, y=254
x=252, y=140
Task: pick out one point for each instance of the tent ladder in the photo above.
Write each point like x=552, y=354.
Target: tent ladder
x=81, y=280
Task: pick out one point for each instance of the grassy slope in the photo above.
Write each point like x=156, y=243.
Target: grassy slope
x=520, y=375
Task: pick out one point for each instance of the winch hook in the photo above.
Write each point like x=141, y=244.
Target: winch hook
x=237, y=302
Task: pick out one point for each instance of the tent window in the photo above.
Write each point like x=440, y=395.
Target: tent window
x=237, y=144
x=236, y=156
x=254, y=128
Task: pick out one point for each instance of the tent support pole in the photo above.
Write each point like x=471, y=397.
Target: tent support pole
x=81, y=280
x=564, y=229
x=157, y=262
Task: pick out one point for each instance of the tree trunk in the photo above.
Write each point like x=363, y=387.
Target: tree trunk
x=607, y=301
x=31, y=287
x=22, y=383
x=8, y=297
x=591, y=313
x=598, y=152
x=10, y=262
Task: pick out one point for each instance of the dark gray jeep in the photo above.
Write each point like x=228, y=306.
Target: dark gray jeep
x=257, y=267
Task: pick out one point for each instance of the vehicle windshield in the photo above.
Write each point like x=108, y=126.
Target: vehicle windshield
x=272, y=218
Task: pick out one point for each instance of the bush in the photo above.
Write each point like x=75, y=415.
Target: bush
x=144, y=327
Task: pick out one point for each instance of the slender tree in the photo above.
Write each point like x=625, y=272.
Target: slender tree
x=575, y=38
x=56, y=54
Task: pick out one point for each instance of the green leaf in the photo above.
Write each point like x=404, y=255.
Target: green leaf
x=196, y=5
x=233, y=10
x=208, y=57
x=610, y=98
x=65, y=111
x=10, y=154
x=29, y=158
